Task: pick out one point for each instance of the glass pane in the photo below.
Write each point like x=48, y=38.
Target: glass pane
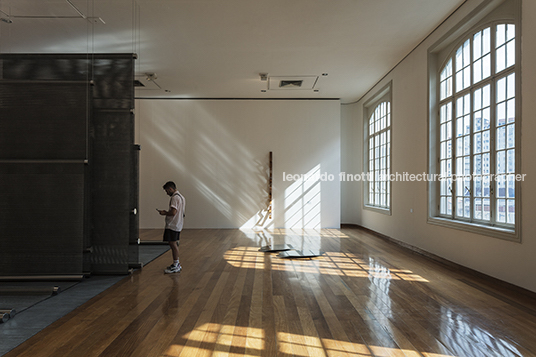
x=511, y=212
x=467, y=169
x=478, y=186
x=501, y=136
x=485, y=141
x=459, y=58
x=477, y=45
x=501, y=162
x=511, y=86
x=477, y=143
x=501, y=90
x=477, y=99
x=478, y=121
x=501, y=113
x=501, y=58
x=477, y=164
x=510, y=136
x=459, y=186
x=459, y=206
x=485, y=164
x=501, y=32
x=447, y=71
x=459, y=81
x=486, y=67
x=486, y=209
x=443, y=206
x=466, y=77
x=510, y=53
x=510, y=32
x=459, y=146
x=478, y=208
x=467, y=207
x=477, y=74
x=501, y=187
x=444, y=188
x=501, y=211
x=466, y=54
x=511, y=111
x=486, y=98
x=486, y=40
x=511, y=186
x=511, y=161
x=486, y=119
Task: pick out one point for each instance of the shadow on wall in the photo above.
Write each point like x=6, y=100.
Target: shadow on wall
x=218, y=154
x=220, y=177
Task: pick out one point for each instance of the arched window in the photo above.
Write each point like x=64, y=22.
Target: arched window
x=378, y=129
x=477, y=129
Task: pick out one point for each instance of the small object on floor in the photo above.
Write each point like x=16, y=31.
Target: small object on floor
x=305, y=253
x=10, y=312
x=173, y=269
x=276, y=248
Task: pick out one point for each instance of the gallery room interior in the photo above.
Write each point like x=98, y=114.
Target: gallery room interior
x=357, y=175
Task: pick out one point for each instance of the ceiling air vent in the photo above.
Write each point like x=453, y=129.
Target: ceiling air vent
x=292, y=82
x=137, y=83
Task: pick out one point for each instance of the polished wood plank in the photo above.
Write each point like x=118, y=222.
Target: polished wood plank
x=364, y=297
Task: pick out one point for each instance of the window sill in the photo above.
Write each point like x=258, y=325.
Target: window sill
x=495, y=232
x=385, y=211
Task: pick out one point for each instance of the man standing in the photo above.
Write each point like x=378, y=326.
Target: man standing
x=174, y=222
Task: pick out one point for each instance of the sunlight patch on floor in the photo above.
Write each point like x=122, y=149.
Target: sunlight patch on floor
x=212, y=339
x=331, y=263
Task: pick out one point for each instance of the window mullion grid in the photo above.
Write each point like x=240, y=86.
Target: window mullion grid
x=484, y=130
x=460, y=157
x=492, y=142
x=383, y=180
x=453, y=154
x=370, y=181
x=471, y=130
x=504, y=75
x=471, y=153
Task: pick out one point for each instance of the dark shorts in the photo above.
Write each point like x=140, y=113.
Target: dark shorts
x=171, y=236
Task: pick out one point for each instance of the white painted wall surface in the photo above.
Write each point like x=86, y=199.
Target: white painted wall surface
x=217, y=152
x=509, y=261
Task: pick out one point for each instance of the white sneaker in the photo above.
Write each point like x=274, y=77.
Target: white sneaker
x=173, y=269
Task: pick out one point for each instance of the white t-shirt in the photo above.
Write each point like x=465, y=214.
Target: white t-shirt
x=176, y=222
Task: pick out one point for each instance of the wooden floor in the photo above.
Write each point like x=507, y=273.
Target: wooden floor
x=363, y=297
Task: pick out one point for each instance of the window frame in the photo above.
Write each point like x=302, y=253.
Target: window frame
x=488, y=14
x=369, y=108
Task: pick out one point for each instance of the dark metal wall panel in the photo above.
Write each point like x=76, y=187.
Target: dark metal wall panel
x=133, y=256
x=43, y=121
x=64, y=109
x=113, y=82
x=110, y=165
x=42, y=216
x=46, y=67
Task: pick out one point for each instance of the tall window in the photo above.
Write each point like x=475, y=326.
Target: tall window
x=477, y=136
x=378, y=159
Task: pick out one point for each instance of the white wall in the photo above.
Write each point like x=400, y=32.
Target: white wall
x=217, y=152
x=508, y=261
x=351, y=162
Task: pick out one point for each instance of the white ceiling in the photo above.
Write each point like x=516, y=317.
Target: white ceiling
x=218, y=48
